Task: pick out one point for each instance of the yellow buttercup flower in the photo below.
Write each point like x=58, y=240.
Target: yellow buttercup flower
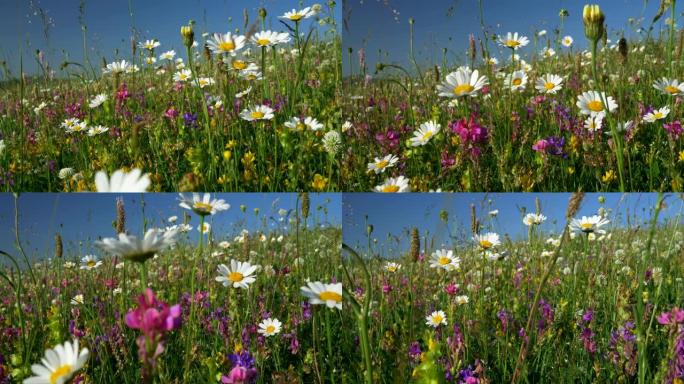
x=319, y=182
x=609, y=176
x=681, y=156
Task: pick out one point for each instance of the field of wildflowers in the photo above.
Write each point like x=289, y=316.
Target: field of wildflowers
x=253, y=109
x=523, y=111
x=238, y=306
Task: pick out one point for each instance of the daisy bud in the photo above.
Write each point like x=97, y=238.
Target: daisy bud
x=188, y=34
x=262, y=12
x=59, y=249
x=593, y=19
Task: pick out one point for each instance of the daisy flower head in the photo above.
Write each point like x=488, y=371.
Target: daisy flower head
x=445, y=259
x=392, y=267
x=59, y=364
x=90, y=262
x=256, y=113
x=592, y=103
x=394, y=185
x=591, y=224
x=298, y=15
x=309, y=122
x=149, y=44
x=136, y=249
x=567, y=41
x=168, y=55
x=492, y=61
x=533, y=219
x=516, y=81
x=122, y=181
x=74, y=125
x=270, y=38
x=269, y=327
x=117, y=67
x=182, y=76
x=513, y=41
x=462, y=82
x=97, y=130
x=98, y=100
x=423, y=135
x=239, y=64
x=549, y=84
x=548, y=52
x=435, y=319
x=251, y=75
x=594, y=123
x=203, y=205
x=238, y=275
x=204, y=228
x=487, y=240
x=657, y=114
x=669, y=86
x=380, y=164
x=205, y=82
x=226, y=43
x=322, y=293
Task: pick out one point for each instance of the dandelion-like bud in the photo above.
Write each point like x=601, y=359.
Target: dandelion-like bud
x=593, y=19
x=415, y=245
x=369, y=229
x=574, y=204
x=59, y=248
x=306, y=205
x=188, y=34
x=120, y=216
x=262, y=12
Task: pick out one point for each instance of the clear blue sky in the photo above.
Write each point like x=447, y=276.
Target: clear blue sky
x=109, y=25
x=85, y=217
x=393, y=214
x=383, y=24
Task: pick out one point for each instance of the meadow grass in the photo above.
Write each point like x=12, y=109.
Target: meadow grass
x=508, y=134
x=181, y=117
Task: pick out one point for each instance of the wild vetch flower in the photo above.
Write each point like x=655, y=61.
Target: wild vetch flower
x=59, y=364
x=190, y=120
x=469, y=131
x=551, y=145
x=154, y=319
x=243, y=371
x=673, y=317
x=674, y=129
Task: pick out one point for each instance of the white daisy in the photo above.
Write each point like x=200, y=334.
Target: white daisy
x=98, y=100
x=516, y=81
x=97, y=130
x=149, y=44
x=394, y=185
x=90, y=262
x=270, y=38
x=122, y=181
x=239, y=274
x=567, y=41
x=258, y=112
x=380, y=164
x=463, y=82
x=59, y=364
x=436, y=318
x=513, y=40
x=226, y=43
x=137, y=249
x=168, y=55
x=549, y=84
x=203, y=205
x=321, y=293
x=297, y=16
x=269, y=327
x=445, y=259
x=423, y=135
x=182, y=76
x=669, y=86
x=533, y=219
x=117, y=67
x=594, y=123
x=656, y=114
x=392, y=267
x=487, y=240
x=589, y=224
x=592, y=103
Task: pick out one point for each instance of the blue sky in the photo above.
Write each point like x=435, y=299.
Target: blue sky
x=81, y=218
x=395, y=213
x=109, y=25
x=447, y=24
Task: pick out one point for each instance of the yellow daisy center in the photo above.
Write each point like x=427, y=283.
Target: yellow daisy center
x=390, y=188
x=90, y=263
x=257, y=115
x=202, y=207
x=595, y=106
x=330, y=296
x=512, y=43
x=296, y=17
x=549, y=85
x=485, y=244
x=463, y=89
x=235, y=277
x=437, y=319
x=382, y=164
x=239, y=65
x=392, y=268
x=60, y=372
x=671, y=89
x=270, y=329
x=226, y=45
x=427, y=135
x=586, y=226
x=517, y=81
x=658, y=115
x=263, y=42
x=444, y=260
